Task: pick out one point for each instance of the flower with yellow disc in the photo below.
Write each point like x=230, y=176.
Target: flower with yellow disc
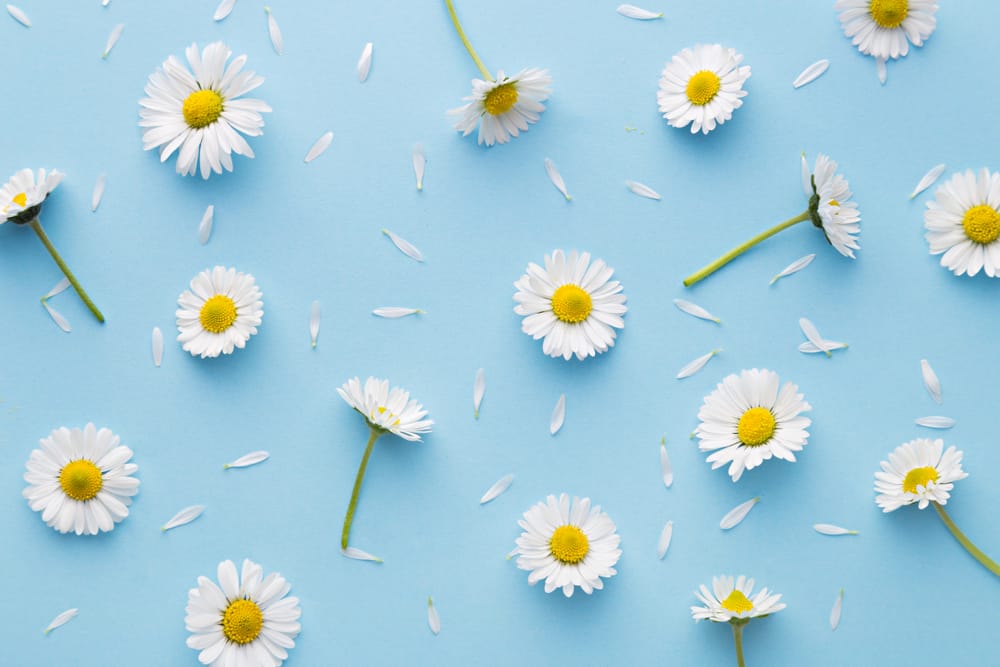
x=701, y=87
x=735, y=603
x=886, y=28
x=963, y=223
x=219, y=313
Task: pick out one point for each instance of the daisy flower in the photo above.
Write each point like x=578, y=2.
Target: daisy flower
x=830, y=210
x=385, y=411
x=731, y=602
x=568, y=545
x=572, y=304
x=80, y=480
x=702, y=87
x=245, y=620
x=219, y=313
x=201, y=113
x=963, y=223
x=885, y=28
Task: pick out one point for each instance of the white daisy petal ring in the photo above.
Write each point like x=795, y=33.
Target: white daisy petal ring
x=22, y=196
x=504, y=107
x=886, y=28
x=963, y=223
x=388, y=411
x=731, y=599
x=219, y=313
x=919, y=471
x=702, y=87
x=832, y=209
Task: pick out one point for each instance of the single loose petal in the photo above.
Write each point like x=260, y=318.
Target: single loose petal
x=247, y=460
x=116, y=34
x=665, y=535
x=319, y=147
x=95, y=199
x=638, y=13
x=812, y=333
x=314, y=317
x=105, y=3
x=935, y=421
x=811, y=73
x=830, y=529
x=794, y=267
x=57, y=317
x=478, y=391
x=880, y=69
x=157, y=346
x=835, y=612
x=433, y=620
x=695, y=310
x=19, y=15
x=556, y=178
x=185, y=516
x=928, y=180
x=404, y=246
x=358, y=554
x=498, y=487
x=828, y=346
x=931, y=381
x=642, y=190
x=558, y=415
x=393, y=312
x=419, y=164
x=224, y=9
x=59, y=288
x=365, y=62
x=205, y=226
x=65, y=617
x=736, y=515
x=696, y=365
x=666, y=468
x=277, y=41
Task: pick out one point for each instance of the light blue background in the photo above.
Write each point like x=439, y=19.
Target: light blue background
x=313, y=232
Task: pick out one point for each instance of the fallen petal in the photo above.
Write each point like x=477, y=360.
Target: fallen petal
x=185, y=516
x=404, y=246
x=830, y=529
x=736, y=515
x=392, y=312
x=419, y=164
x=365, y=62
x=498, y=487
x=478, y=391
x=113, y=38
x=931, y=381
x=433, y=620
x=835, y=612
x=319, y=147
x=19, y=15
x=95, y=199
x=794, y=267
x=224, y=9
x=59, y=288
x=57, y=317
x=642, y=190
x=928, y=180
x=157, y=346
x=666, y=468
x=556, y=178
x=828, y=346
x=936, y=422
x=358, y=554
x=247, y=460
x=693, y=367
x=811, y=73
x=695, y=310
x=277, y=41
x=665, y=535
x=65, y=617
x=880, y=69
x=314, y=316
x=205, y=226
x=812, y=333
x=638, y=13
x=558, y=415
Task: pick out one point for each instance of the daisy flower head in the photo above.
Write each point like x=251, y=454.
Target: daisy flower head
x=963, y=223
x=572, y=304
x=730, y=601
x=200, y=113
x=246, y=620
x=219, y=313
x=886, y=28
x=22, y=196
x=385, y=410
x=568, y=544
x=505, y=106
x=702, y=87
x=748, y=419
x=919, y=471
x=81, y=480
x=830, y=205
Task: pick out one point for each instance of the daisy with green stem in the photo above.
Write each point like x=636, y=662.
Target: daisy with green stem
x=733, y=602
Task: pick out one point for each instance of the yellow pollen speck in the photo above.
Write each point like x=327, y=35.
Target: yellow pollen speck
x=242, y=621
x=202, y=108
x=756, y=426
x=981, y=224
x=737, y=602
x=703, y=87
x=569, y=545
x=834, y=202
x=501, y=99
x=218, y=314
x=81, y=480
x=919, y=477
x=571, y=303
x=21, y=199
x=889, y=13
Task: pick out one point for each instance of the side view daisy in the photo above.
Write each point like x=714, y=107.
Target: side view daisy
x=81, y=480
x=21, y=200
x=747, y=420
x=501, y=106
x=385, y=411
x=201, y=113
x=219, y=313
x=830, y=210
x=572, y=304
x=246, y=620
x=568, y=544
x=963, y=223
x=886, y=28
x=922, y=472
x=731, y=602
x=701, y=87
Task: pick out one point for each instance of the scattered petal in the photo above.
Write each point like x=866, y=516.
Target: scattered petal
x=695, y=310
x=638, y=13
x=224, y=9
x=358, y=554
x=806, y=176
x=556, y=178
x=205, y=226
x=883, y=74
x=247, y=460
x=794, y=267
x=931, y=380
x=936, y=422
x=811, y=73
x=736, y=515
x=105, y=3
x=157, y=347
x=433, y=620
x=828, y=345
x=404, y=246
x=838, y=607
x=116, y=34
x=812, y=333
x=365, y=63
x=558, y=415
x=642, y=190
x=664, y=543
x=478, y=391
x=319, y=147
x=59, y=288
x=65, y=617
x=666, y=468
x=19, y=15
x=184, y=517
x=57, y=317
x=314, y=317
x=392, y=312
x=928, y=180
x=830, y=529
x=419, y=163
x=277, y=41
x=95, y=199
x=498, y=487
x=693, y=367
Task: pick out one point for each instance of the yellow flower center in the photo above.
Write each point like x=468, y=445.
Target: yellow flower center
x=501, y=99
x=889, y=13
x=834, y=202
x=202, y=108
x=382, y=410
x=218, y=314
x=919, y=477
x=981, y=224
x=21, y=199
x=571, y=304
x=81, y=480
x=242, y=621
x=737, y=602
x=703, y=87
x=756, y=426
x=569, y=545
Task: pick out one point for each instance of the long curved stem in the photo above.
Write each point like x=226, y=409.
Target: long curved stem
x=738, y=638
x=976, y=553
x=37, y=226
x=740, y=249
x=353, y=505
x=465, y=41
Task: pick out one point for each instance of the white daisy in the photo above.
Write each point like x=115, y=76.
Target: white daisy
x=963, y=223
x=22, y=196
x=747, y=420
x=568, y=545
x=504, y=107
x=885, y=28
x=702, y=87
x=245, y=620
x=219, y=313
x=388, y=411
x=918, y=472
x=80, y=480
x=572, y=304
x=729, y=600
x=830, y=205
x=202, y=115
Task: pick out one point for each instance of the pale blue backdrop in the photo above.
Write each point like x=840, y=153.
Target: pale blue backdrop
x=312, y=231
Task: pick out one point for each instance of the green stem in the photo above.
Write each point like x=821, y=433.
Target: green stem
x=738, y=638
x=37, y=226
x=985, y=560
x=739, y=250
x=353, y=505
x=465, y=41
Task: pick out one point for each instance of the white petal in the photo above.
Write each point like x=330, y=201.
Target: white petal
x=433, y=620
x=811, y=73
x=247, y=460
x=185, y=516
x=393, y=312
x=828, y=345
x=275, y=32
x=638, y=13
x=558, y=415
x=806, y=177
x=205, y=226
x=835, y=612
x=794, y=267
x=642, y=190
x=812, y=333
x=935, y=422
x=928, y=180
x=319, y=147
x=365, y=62
x=404, y=246
x=57, y=317
x=95, y=199
x=664, y=543
x=105, y=3
x=693, y=367
x=59, y=288
x=358, y=554
x=478, y=391
x=314, y=317
x=931, y=380
x=556, y=178
x=113, y=38
x=19, y=15
x=498, y=487
x=419, y=163
x=157, y=347
x=666, y=468
x=223, y=10
x=880, y=69
x=737, y=514
x=65, y=617
x=695, y=310
x=830, y=529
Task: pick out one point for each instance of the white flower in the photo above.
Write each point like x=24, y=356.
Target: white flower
x=245, y=620
x=504, y=107
x=21, y=197
x=219, y=313
x=730, y=600
x=702, y=86
x=747, y=420
x=201, y=116
x=572, y=304
x=830, y=205
x=80, y=480
x=568, y=545
x=384, y=410
x=918, y=472
x=963, y=223
x=885, y=28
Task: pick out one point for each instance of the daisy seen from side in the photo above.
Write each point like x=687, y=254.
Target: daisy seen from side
x=735, y=603
x=702, y=87
x=219, y=312
x=963, y=223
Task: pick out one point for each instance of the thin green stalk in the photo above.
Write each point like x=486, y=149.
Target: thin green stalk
x=465, y=41
x=37, y=226
x=739, y=250
x=985, y=560
x=738, y=638
x=353, y=505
